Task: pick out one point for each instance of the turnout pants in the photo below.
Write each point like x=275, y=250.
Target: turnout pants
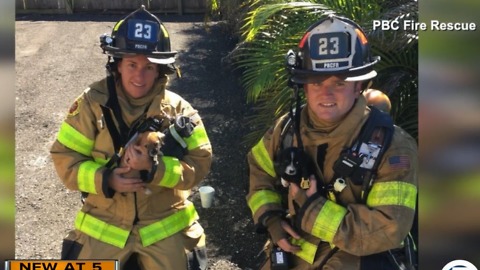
x=338, y=260
x=183, y=251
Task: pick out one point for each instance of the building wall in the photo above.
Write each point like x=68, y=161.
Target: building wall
x=69, y=6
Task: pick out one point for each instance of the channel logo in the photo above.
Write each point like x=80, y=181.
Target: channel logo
x=459, y=265
x=62, y=265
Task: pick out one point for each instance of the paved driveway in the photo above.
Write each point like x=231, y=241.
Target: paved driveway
x=57, y=57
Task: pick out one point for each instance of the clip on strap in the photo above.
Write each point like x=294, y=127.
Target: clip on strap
x=177, y=136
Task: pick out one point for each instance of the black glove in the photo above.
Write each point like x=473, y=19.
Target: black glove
x=145, y=124
x=174, y=145
x=184, y=126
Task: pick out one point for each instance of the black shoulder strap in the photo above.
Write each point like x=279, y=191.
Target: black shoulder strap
x=287, y=134
x=112, y=129
x=116, y=138
x=113, y=104
x=376, y=120
x=378, y=129
x=289, y=128
x=119, y=137
x=376, y=132
x=379, y=122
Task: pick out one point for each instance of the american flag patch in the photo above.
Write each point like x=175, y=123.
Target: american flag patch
x=399, y=162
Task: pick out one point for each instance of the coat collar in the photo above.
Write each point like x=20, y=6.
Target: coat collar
x=347, y=126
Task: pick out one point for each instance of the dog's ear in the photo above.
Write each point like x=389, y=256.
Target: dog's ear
x=296, y=156
x=288, y=159
x=155, y=138
x=154, y=142
x=161, y=137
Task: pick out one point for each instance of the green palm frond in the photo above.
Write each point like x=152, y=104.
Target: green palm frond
x=272, y=27
x=357, y=10
x=268, y=108
x=267, y=16
x=406, y=112
x=398, y=78
x=270, y=31
x=263, y=67
x=391, y=61
x=406, y=13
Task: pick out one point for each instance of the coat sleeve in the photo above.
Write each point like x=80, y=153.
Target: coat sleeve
x=195, y=165
x=263, y=199
x=386, y=218
x=72, y=151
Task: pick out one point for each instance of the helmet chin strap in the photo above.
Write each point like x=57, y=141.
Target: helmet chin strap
x=295, y=109
x=177, y=71
x=365, y=85
x=108, y=66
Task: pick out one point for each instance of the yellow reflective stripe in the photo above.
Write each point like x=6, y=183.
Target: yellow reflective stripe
x=262, y=157
x=101, y=161
x=86, y=176
x=165, y=33
x=198, y=137
x=115, y=28
x=168, y=226
x=328, y=220
x=150, y=234
x=392, y=193
x=173, y=171
x=308, y=249
x=101, y=230
x=261, y=198
x=73, y=139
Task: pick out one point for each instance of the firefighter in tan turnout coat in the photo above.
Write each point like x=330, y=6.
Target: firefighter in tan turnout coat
x=147, y=215
x=328, y=217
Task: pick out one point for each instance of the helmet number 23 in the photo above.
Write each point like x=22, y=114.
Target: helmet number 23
x=143, y=31
x=327, y=46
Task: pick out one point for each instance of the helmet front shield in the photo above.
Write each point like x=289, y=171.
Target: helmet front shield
x=333, y=46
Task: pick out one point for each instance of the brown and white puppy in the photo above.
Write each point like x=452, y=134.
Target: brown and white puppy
x=142, y=153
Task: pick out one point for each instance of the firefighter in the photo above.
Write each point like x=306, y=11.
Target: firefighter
x=147, y=216
x=327, y=216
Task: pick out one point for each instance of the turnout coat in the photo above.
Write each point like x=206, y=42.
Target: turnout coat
x=343, y=221
x=84, y=145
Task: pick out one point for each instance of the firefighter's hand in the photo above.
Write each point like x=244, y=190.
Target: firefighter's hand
x=283, y=243
x=299, y=195
x=119, y=183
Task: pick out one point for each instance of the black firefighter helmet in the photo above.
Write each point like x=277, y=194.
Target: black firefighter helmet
x=140, y=32
x=332, y=46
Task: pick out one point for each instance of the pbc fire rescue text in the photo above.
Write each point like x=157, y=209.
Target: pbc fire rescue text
x=434, y=25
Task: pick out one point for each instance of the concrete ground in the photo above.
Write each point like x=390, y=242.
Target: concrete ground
x=57, y=57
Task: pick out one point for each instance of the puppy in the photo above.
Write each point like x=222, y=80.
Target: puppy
x=294, y=167
x=142, y=154
x=378, y=99
x=291, y=168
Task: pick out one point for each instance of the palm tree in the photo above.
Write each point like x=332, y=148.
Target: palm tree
x=398, y=70
x=271, y=28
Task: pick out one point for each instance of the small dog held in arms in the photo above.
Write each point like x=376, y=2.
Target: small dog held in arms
x=142, y=154
x=295, y=167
